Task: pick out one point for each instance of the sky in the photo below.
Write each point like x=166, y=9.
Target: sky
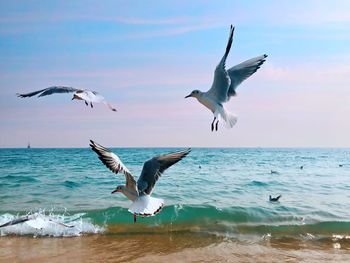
x=146, y=56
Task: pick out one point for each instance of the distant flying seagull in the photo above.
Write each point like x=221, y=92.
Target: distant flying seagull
x=274, y=199
x=35, y=220
x=225, y=84
x=139, y=192
x=79, y=94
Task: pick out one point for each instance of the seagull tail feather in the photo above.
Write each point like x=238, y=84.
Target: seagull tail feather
x=229, y=118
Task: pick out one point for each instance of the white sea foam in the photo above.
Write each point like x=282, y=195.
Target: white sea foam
x=53, y=225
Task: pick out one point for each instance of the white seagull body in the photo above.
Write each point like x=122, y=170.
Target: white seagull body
x=139, y=192
x=88, y=96
x=225, y=84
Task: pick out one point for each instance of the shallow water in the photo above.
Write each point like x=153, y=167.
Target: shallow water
x=226, y=200
x=174, y=247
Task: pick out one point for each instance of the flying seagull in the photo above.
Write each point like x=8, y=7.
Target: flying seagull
x=35, y=220
x=139, y=192
x=79, y=94
x=225, y=84
x=274, y=199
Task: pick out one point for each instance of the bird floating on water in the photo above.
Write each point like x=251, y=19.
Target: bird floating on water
x=274, y=172
x=274, y=199
x=225, y=84
x=139, y=192
x=87, y=96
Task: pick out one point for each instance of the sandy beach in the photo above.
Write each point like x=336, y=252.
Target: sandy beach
x=167, y=248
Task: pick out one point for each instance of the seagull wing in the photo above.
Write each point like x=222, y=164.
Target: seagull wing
x=49, y=91
x=113, y=162
x=221, y=81
x=153, y=169
x=243, y=71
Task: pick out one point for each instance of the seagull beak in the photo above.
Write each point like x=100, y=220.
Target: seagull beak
x=188, y=96
x=115, y=191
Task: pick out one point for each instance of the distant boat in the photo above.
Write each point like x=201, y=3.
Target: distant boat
x=28, y=146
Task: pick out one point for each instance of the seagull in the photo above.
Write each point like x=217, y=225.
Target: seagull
x=35, y=220
x=274, y=199
x=139, y=192
x=225, y=84
x=79, y=94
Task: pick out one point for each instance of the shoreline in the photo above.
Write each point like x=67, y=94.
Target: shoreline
x=169, y=247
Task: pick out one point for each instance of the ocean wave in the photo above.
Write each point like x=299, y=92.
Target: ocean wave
x=19, y=179
x=70, y=184
x=48, y=224
x=227, y=222
x=257, y=183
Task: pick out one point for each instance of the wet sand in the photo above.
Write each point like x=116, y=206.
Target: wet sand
x=170, y=247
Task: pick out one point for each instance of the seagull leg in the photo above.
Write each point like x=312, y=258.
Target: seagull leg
x=216, y=126
x=91, y=105
x=134, y=218
x=212, y=124
x=87, y=104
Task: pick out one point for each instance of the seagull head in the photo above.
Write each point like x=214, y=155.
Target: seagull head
x=195, y=93
x=119, y=189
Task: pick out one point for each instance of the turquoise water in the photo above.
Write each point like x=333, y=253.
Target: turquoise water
x=227, y=196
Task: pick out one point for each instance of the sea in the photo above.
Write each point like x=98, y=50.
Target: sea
x=214, y=197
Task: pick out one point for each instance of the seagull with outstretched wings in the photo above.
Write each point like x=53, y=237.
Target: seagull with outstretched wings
x=89, y=97
x=140, y=192
x=225, y=84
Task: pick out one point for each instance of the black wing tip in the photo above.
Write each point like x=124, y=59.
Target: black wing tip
x=92, y=144
x=184, y=152
x=19, y=95
x=98, y=148
x=188, y=150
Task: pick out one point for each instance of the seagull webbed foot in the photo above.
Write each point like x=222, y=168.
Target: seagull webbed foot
x=87, y=104
x=216, y=125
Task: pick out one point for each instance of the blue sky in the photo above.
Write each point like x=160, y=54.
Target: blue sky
x=145, y=56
